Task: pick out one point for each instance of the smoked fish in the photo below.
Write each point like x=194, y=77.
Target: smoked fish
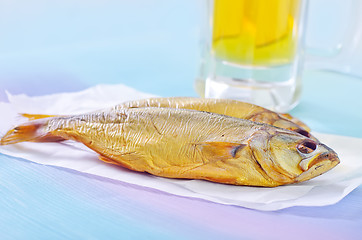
x=227, y=107
x=189, y=144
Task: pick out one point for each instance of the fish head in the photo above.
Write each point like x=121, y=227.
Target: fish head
x=287, y=157
x=284, y=121
x=286, y=124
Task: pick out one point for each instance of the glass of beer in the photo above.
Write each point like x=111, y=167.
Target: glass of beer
x=252, y=51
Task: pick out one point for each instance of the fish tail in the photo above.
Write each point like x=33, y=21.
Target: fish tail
x=36, y=116
x=33, y=131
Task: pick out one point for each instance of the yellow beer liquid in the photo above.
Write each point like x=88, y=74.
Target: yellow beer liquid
x=255, y=32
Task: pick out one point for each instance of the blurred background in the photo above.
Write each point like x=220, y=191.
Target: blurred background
x=151, y=45
x=54, y=46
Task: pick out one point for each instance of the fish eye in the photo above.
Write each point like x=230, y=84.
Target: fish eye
x=303, y=132
x=307, y=146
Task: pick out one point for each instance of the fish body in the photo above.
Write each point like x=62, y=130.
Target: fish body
x=181, y=143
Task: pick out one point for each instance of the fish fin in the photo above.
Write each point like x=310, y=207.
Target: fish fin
x=36, y=116
x=123, y=161
x=107, y=160
x=33, y=131
x=220, y=150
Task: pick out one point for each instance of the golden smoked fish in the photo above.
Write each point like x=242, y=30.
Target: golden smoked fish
x=181, y=143
x=227, y=107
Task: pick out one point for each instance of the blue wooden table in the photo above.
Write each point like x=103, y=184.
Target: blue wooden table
x=48, y=47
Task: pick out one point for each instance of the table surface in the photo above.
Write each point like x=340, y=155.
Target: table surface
x=153, y=47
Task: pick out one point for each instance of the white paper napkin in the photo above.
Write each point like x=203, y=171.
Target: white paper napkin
x=323, y=190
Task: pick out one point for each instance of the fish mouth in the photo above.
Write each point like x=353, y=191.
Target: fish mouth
x=318, y=165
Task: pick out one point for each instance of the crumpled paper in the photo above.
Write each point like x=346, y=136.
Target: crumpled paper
x=323, y=190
